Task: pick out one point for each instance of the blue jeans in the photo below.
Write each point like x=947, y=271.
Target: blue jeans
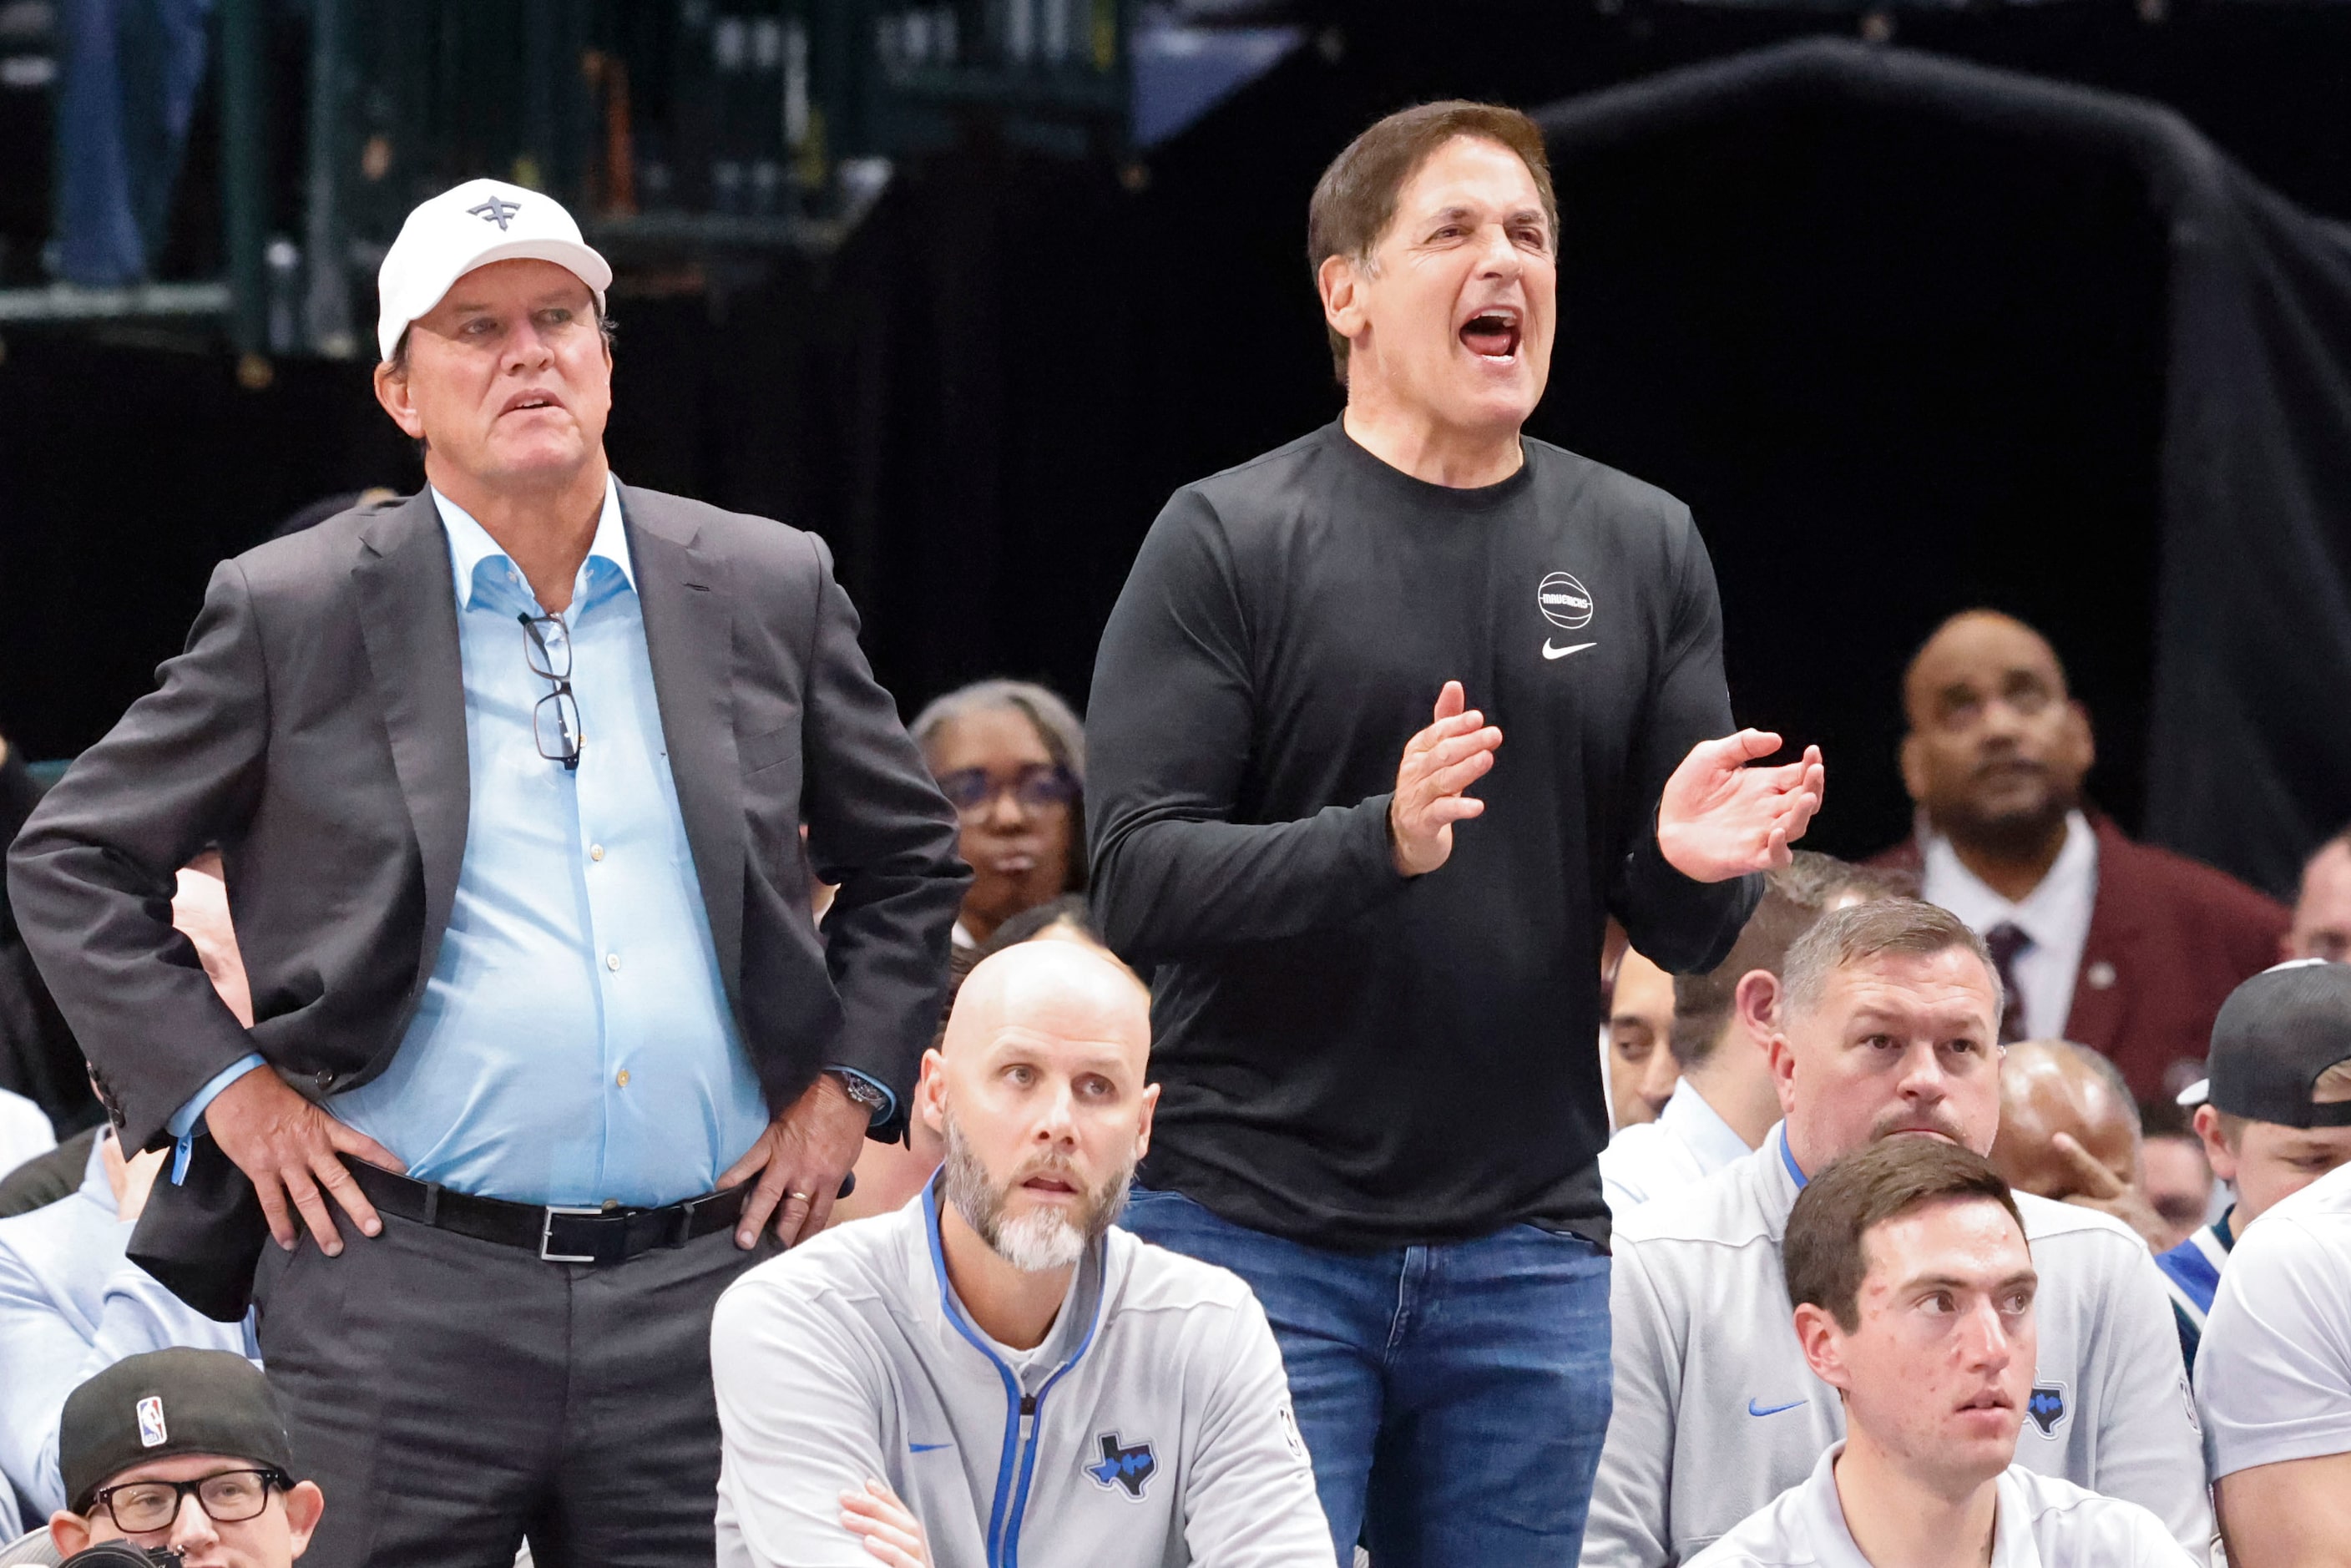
x=1453, y=1397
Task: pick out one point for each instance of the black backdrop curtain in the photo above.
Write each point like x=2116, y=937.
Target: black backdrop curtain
x=1914, y=334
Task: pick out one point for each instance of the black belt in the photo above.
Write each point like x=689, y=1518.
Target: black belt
x=558, y=1234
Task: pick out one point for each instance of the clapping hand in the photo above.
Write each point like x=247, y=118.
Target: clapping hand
x=1719, y=818
x=1441, y=761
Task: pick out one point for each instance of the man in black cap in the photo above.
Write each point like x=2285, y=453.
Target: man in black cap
x=2274, y=1115
x=184, y=1450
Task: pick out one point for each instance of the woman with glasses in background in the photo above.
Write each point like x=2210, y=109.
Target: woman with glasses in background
x=1011, y=758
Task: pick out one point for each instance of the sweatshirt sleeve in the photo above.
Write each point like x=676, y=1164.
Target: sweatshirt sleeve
x=1168, y=740
x=1249, y=1493
x=2148, y=1450
x=799, y=1427
x=1679, y=925
x=1630, y=1522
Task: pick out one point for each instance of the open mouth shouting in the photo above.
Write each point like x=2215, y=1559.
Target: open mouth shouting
x=1492, y=333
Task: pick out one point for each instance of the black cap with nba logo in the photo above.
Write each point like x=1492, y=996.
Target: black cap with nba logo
x=2277, y=1036
x=164, y=1404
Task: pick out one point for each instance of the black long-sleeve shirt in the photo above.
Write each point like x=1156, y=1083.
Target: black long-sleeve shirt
x=1351, y=1058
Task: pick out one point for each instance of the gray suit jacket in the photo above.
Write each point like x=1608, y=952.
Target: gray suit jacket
x=315, y=729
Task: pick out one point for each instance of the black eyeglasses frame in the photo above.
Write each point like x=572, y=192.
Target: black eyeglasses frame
x=540, y=657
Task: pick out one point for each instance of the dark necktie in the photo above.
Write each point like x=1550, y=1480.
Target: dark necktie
x=2006, y=940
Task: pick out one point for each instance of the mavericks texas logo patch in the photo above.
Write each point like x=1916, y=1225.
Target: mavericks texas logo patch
x=2046, y=1407
x=1126, y=1468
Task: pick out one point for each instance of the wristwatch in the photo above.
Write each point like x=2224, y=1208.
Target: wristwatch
x=863, y=1090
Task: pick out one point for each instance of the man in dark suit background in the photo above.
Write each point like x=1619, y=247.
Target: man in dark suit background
x=2118, y=945
x=508, y=780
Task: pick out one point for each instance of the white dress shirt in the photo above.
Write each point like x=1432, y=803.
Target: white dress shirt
x=2056, y=914
x=1686, y=1144
x=2042, y=1520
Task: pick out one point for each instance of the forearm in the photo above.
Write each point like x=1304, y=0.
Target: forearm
x=2296, y=1514
x=1678, y=923
x=1169, y=887
x=879, y=829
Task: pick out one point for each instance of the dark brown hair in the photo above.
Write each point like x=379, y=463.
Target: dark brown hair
x=1824, y=1254
x=1355, y=199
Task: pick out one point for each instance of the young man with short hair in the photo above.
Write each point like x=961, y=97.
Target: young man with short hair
x=1375, y=992
x=1913, y=1286
x=993, y=1373
x=1889, y=1028
x=183, y=1450
x=2275, y=1115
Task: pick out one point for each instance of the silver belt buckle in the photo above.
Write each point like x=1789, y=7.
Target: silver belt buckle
x=547, y=1234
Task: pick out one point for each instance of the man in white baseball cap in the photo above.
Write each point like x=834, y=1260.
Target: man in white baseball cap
x=509, y=780
x=471, y=226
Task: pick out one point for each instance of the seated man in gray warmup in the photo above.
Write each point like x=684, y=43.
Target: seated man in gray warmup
x=1889, y=1027
x=993, y=1372
x=1914, y=1292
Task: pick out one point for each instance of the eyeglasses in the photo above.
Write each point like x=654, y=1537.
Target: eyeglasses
x=555, y=722
x=973, y=791
x=230, y=1497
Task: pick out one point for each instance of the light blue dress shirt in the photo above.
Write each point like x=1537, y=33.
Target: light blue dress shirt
x=574, y=1044
x=71, y=1305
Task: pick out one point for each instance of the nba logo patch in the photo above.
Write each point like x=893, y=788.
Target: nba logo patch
x=152, y=1433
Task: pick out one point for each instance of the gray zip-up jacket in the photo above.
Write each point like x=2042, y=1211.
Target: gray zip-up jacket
x=1717, y=1411
x=1151, y=1428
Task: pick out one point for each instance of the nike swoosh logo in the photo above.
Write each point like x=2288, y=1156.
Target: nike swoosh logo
x=1774, y=1409
x=1552, y=652
x=927, y=1448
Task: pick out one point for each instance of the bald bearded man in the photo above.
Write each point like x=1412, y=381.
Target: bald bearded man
x=2126, y=947
x=993, y=1372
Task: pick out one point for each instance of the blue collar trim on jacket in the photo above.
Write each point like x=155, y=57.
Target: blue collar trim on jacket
x=1003, y=1527
x=1787, y=1158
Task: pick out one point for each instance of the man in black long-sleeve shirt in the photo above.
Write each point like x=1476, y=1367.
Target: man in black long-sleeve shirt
x=1382, y=1101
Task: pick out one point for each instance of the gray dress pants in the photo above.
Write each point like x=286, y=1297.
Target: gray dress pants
x=453, y=1396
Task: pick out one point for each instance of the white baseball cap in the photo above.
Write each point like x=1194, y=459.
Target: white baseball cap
x=471, y=226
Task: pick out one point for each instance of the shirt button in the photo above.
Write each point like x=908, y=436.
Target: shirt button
x=595, y=851
x=622, y=1078
x=613, y=961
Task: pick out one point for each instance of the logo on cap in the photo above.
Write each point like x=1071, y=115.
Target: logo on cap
x=495, y=211
x=152, y=1433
